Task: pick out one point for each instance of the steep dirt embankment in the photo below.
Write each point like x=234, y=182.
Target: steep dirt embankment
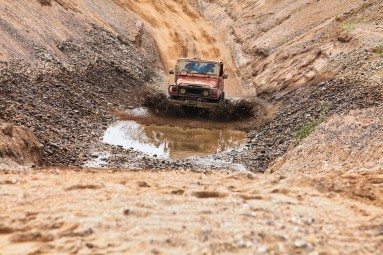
x=302, y=57
x=180, y=31
x=65, y=65
x=27, y=26
x=283, y=45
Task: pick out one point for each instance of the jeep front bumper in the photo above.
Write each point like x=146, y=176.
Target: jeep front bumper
x=194, y=103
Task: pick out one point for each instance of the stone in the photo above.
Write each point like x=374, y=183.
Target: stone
x=344, y=37
x=8, y=130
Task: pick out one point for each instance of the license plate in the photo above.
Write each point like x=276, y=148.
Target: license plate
x=191, y=103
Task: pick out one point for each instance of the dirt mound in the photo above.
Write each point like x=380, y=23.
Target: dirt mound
x=227, y=110
x=346, y=143
x=18, y=146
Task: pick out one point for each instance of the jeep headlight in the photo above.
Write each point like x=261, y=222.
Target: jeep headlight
x=182, y=91
x=205, y=93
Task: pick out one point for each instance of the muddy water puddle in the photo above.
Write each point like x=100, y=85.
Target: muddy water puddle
x=172, y=141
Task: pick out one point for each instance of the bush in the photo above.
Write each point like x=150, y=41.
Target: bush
x=350, y=24
x=310, y=126
x=379, y=50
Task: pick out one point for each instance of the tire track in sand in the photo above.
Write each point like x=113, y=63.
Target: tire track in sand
x=180, y=31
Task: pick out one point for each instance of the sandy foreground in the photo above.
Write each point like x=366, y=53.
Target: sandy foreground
x=82, y=211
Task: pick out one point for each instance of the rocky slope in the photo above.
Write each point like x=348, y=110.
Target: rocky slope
x=63, y=73
x=301, y=56
x=283, y=45
x=349, y=142
x=31, y=29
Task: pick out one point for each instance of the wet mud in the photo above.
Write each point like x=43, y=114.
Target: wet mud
x=227, y=110
x=173, y=141
x=143, y=139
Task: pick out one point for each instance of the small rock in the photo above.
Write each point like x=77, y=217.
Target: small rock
x=89, y=245
x=143, y=184
x=209, y=194
x=177, y=192
x=8, y=130
x=344, y=37
x=300, y=244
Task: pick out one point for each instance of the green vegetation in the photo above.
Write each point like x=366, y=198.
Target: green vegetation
x=350, y=24
x=337, y=16
x=310, y=126
x=283, y=41
x=379, y=50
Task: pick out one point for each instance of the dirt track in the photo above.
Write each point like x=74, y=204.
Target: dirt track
x=180, y=31
x=182, y=212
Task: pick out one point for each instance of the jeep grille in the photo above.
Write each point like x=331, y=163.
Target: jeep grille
x=193, y=91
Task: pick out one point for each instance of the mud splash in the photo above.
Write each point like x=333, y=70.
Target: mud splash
x=172, y=141
x=228, y=110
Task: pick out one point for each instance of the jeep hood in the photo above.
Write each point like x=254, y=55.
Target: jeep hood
x=198, y=81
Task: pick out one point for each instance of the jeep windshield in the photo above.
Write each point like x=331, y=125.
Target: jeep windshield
x=193, y=67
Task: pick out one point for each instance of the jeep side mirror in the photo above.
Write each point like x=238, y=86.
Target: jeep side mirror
x=171, y=71
x=225, y=76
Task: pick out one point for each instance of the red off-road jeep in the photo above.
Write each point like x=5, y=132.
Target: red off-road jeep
x=198, y=83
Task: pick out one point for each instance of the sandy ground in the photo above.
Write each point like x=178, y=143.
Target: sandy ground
x=73, y=211
x=77, y=211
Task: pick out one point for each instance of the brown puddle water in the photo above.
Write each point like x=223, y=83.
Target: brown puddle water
x=173, y=142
